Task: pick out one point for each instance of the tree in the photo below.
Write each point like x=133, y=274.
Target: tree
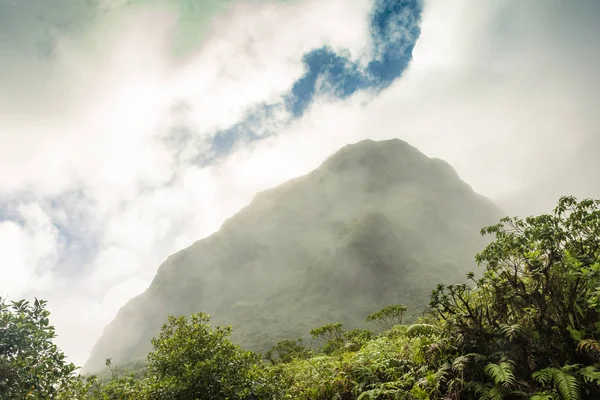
x=286, y=351
x=192, y=360
x=31, y=365
x=331, y=336
x=388, y=316
x=533, y=318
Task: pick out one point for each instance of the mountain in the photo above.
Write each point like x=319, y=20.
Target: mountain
x=376, y=223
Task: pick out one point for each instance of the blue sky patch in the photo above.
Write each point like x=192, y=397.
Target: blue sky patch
x=394, y=26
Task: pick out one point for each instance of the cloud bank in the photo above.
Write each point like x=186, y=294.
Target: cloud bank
x=137, y=130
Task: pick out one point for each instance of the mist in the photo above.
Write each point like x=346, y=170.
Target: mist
x=130, y=130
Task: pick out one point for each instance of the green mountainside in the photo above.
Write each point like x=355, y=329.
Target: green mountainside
x=377, y=223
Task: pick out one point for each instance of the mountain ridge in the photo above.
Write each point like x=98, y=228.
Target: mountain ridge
x=372, y=206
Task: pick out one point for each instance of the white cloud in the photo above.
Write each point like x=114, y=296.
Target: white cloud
x=253, y=54
x=29, y=251
x=80, y=320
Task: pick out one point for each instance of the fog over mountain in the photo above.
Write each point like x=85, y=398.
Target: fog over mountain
x=377, y=223
x=133, y=129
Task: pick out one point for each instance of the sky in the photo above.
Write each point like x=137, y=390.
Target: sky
x=131, y=128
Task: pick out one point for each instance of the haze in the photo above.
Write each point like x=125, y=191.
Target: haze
x=131, y=129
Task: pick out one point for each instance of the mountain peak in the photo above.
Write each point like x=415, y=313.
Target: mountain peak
x=382, y=165
x=373, y=156
x=373, y=223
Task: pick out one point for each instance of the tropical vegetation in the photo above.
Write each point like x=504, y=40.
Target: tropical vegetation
x=527, y=326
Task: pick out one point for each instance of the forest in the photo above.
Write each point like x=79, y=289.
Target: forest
x=525, y=326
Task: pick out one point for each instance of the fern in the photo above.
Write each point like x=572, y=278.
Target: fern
x=460, y=363
x=487, y=391
x=567, y=385
x=435, y=380
x=479, y=388
x=422, y=330
x=511, y=331
x=543, y=396
x=389, y=390
x=502, y=373
x=456, y=386
x=590, y=348
x=543, y=376
x=590, y=374
x=496, y=393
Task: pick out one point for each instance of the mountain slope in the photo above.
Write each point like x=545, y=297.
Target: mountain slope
x=376, y=223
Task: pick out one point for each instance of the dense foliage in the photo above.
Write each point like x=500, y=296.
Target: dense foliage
x=192, y=360
x=31, y=366
x=528, y=327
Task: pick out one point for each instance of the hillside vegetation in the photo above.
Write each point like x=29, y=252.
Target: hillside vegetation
x=377, y=223
x=527, y=328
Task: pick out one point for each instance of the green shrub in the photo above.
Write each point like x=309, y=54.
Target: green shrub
x=31, y=366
